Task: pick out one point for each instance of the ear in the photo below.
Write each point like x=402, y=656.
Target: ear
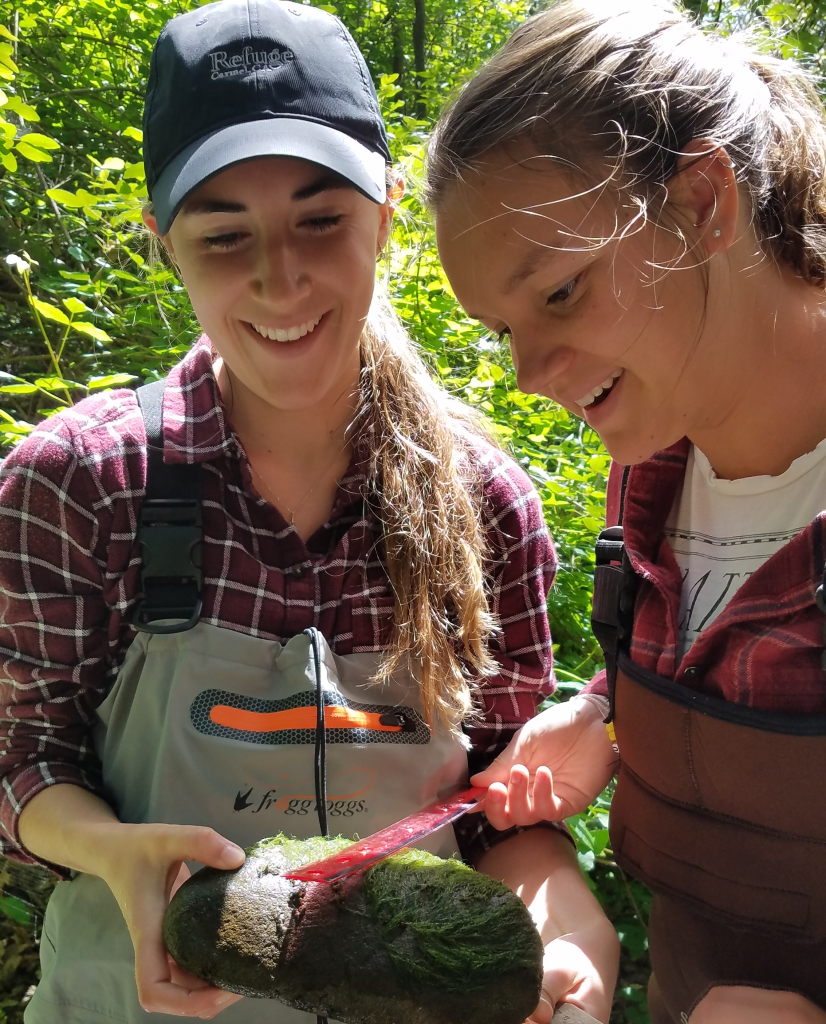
x=151, y=222
x=387, y=210
x=705, y=190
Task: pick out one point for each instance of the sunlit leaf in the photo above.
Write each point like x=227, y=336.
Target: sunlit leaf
x=75, y=305
x=18, y=389
x=39, y=141
x=55, y=384
x=39, y=156
x=50, y=312
x=90, y=330
x=133, y=133
x=17, y=106
x=112, y=380
x=114, y=163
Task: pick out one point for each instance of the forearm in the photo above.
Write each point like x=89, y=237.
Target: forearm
x=541, y=866
x=70, y=826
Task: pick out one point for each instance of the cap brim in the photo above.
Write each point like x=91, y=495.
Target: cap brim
x=275, y=136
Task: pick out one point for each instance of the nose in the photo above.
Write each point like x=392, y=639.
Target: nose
x=539, y=364
x=279, y=274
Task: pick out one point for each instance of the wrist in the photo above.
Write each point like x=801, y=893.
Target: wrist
x=601, y=704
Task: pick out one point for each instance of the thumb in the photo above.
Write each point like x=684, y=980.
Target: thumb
x=543, y=1013
x=499, y=769
x=206, y=846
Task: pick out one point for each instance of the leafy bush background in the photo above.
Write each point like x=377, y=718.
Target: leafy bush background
x=82, y=306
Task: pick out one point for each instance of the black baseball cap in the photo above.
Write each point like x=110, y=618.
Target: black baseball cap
x=241, y=79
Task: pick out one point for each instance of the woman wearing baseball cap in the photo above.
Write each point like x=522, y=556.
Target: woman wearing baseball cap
x=297, y=520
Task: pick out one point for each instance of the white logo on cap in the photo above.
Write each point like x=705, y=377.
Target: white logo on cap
x=225, y=66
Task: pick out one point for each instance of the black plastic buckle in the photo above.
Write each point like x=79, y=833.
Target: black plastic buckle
x=170, y=535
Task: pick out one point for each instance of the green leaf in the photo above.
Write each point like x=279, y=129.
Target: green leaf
x=91, y=330
x=133, y=133
x=40, y=141
x=18, y=389
x=50, y=312
x=114, y=163
x=112, y=380
x=55, y=384
x=38, y=156
x=75, y=305
x=15, y=909
x=68, y=199
x=17, y=106
x=5, y=32
x=134, y=172
x=9, y=161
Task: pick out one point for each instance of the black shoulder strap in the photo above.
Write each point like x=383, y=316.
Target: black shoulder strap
x=170, y=531
x=615, y=586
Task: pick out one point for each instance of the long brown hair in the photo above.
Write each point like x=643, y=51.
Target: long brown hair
x=427, y=496
x=628, y=85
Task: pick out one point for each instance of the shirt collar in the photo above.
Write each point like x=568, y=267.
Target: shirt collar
x=196, y=427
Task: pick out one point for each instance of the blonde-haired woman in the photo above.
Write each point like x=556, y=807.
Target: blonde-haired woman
x=328, y=564
x=640, y=207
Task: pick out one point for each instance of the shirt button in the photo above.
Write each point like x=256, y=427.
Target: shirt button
x=296, y=571
x=692, y=672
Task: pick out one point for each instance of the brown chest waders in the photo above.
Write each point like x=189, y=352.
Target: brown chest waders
x=721, y=810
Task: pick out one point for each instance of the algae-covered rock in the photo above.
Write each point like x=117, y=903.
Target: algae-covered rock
x=413, y=940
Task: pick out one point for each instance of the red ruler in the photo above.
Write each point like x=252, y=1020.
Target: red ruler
x=395, y=837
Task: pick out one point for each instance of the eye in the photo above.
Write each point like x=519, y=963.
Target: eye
x=322, y=223
x=563, y=293
x=223, y=241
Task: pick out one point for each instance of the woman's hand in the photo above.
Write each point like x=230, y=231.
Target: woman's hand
x=581, y=946
x=142, y=865
x=554, y=766
x=143, y=868
x=580, y=968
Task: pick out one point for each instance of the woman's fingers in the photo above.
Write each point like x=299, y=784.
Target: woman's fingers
x=523, y=801
x=151, y=867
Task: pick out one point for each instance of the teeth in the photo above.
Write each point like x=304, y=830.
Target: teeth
x=291, y=334
x=592, y=396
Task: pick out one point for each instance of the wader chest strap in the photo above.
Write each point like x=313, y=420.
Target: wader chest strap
x=612, y=616
x=170, y=531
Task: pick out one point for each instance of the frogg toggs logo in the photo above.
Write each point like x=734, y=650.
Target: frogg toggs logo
x=248, y=60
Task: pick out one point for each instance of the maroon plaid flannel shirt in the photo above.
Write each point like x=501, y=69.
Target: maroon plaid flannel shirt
x=765, y=649
x=69, y=577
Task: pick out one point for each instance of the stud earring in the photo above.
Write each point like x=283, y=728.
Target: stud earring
x=716, y=233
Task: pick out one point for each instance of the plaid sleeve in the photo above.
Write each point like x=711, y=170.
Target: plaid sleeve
x=521, y=570
x=55, y=535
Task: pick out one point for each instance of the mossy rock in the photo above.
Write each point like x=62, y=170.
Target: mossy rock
x=413, y=940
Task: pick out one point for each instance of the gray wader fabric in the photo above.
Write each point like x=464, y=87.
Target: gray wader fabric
x=212, y=727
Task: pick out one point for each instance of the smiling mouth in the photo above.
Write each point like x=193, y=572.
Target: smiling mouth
x=290, y=334
x=600, y=392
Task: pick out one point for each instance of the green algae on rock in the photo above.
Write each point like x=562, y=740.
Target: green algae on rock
x=413, y=940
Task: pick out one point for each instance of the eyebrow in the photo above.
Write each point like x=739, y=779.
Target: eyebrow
x=325, y=184
x=532, y=262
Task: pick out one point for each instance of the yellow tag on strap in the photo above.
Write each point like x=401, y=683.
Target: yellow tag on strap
x=612, y=736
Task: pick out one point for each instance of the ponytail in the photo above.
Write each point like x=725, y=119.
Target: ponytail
x=629, y=84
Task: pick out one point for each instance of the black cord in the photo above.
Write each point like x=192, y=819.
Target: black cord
x=320, y=748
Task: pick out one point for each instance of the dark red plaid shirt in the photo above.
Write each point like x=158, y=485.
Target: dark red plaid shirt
x=69, y=576
x=765, y=649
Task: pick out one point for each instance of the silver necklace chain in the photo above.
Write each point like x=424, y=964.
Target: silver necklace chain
x=280, y=502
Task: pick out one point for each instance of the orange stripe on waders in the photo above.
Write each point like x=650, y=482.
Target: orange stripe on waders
x=297, y=718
